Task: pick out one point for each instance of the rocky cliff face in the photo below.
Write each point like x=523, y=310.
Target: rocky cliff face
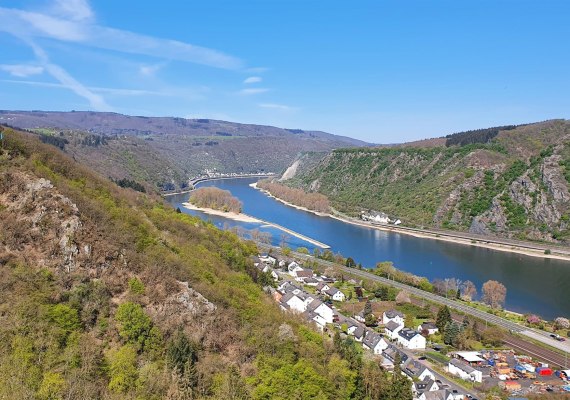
x=516, y=186
x=44, y=228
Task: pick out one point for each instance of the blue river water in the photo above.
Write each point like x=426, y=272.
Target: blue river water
x=534, y=285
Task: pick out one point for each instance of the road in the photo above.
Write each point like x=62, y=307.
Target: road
x=535, y=334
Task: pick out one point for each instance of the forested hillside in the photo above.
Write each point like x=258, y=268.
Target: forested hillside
x=507, y=181
x=165, y=152
x=106, y=292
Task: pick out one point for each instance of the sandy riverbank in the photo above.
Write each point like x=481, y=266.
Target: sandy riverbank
x=231, y=215
x=487, y=243
x=241, y=217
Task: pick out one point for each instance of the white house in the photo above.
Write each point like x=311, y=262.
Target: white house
x=426, y=385
x=391, y=329
x=297, y=300
x=267, y=259
x=310, y=282
x=441, y=394
x=318, y=320
x=429, y=327
x=374, y=341
x=375, y=217
x=335, y=294
x=325, y=312
x=293, y=302
x=293, y=268
x=417, y=371
x=360, y=317
x=323, y=286
x=464, y=371
x=393, y=315
x=357, y=332
x=301, y=274
x=411, y=339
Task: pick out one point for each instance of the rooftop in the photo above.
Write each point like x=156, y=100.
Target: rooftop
x=461, y=365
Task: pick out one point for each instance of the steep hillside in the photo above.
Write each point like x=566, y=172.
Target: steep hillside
x=165, y=152
x=515, y=184
x=108, y=293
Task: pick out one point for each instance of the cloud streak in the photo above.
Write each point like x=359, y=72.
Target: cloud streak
x=33, y=24
x=22, y=70
x=96, y=101
x=252, y=91
x=253, y=79
x=274, y=106
x=105, y=90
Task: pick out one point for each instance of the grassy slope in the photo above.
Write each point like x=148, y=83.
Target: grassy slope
x=53, y=345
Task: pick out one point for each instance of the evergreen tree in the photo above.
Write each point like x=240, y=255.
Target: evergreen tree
x=443, y=317
x=367, y=308
x=181, y=352
x=452, y=329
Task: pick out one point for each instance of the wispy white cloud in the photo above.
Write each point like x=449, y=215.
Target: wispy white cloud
x=253, y=79
x=34, y=24
x=76, y=10
x=98, y=89
x=96, y=101
x=22, y=70
x=186, y=93
x=252, y=91
x=275, y=106
x=150, y=70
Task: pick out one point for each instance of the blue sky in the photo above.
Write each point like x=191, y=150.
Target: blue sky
x=381, y=71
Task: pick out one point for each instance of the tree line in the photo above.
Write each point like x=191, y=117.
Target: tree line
x=298, y=197
x=476, y=136
x=217, y=199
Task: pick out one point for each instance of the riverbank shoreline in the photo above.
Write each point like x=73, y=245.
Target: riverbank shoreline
x=216, y=178
x=241, y=217
x=488, y=243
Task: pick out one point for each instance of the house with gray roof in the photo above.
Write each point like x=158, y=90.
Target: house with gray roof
x=411, y=339
x=374, y=341
x=392, y=328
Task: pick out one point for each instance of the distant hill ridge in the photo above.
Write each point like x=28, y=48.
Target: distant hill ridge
x=164, y=152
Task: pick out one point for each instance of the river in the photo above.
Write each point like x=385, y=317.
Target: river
x=533, y=284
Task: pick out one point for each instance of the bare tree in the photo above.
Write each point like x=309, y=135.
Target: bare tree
x=468, y=291
x=265, y=237
x=494, y=293
x=284, y=238
x=254, y=233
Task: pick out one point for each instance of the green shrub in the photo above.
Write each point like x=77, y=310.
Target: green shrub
x=134, y=324
x=136, y=286
x=122, y=369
